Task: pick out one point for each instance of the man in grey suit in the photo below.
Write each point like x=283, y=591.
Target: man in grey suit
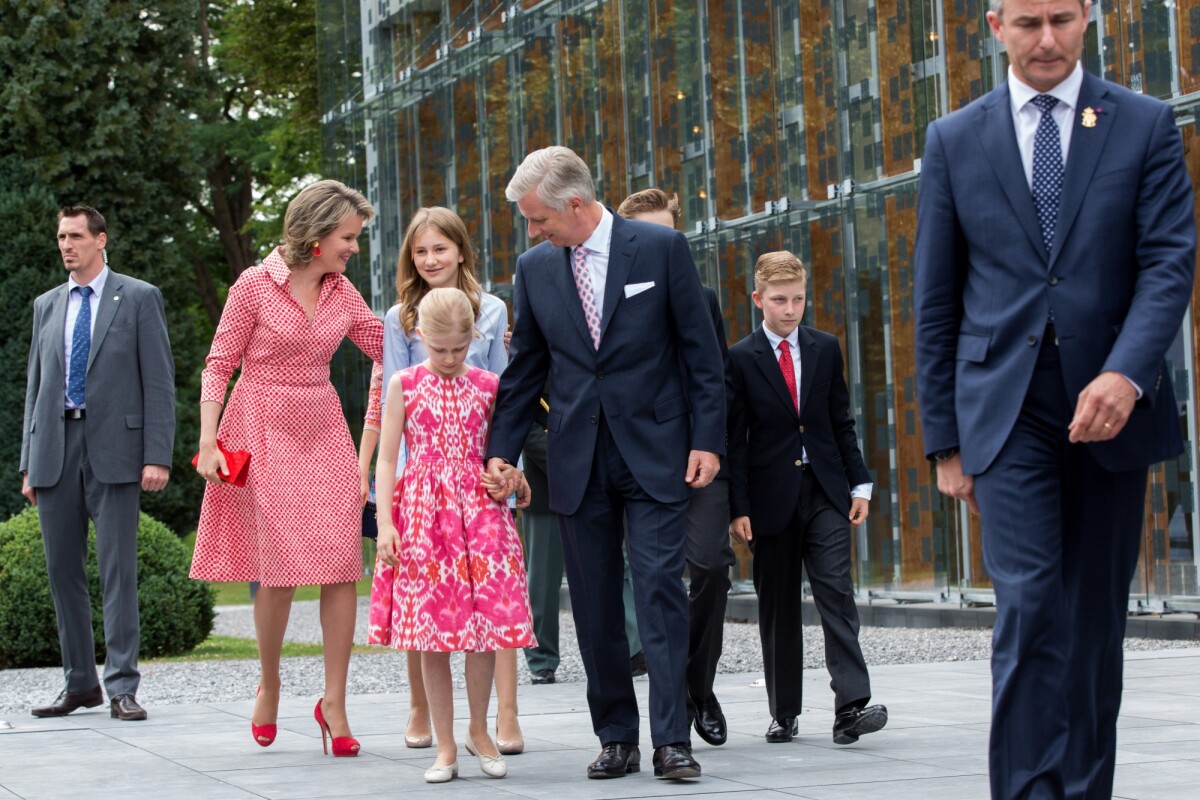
x=99, y=427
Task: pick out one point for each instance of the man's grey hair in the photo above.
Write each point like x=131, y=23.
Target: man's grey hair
x=997, y=6
x=557, y=173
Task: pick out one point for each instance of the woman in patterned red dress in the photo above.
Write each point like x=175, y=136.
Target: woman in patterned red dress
x=297, y=521
x=450, y=575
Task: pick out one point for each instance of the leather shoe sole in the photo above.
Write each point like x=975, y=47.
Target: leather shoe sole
x=867, y=720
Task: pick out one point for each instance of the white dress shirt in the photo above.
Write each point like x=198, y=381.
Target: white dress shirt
x=598, y=245
x=74, y=301
x=1026, y=115
x=863, y=490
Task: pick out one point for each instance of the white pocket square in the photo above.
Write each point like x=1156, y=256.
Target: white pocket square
x=632, y=289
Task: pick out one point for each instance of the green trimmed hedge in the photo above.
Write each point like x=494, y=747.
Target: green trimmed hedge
x=176, y=611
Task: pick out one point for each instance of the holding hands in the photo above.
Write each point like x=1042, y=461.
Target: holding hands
x=502, y=479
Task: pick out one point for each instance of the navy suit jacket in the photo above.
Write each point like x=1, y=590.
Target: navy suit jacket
x=656, y=409
x=767, y=434
x=1118, y=276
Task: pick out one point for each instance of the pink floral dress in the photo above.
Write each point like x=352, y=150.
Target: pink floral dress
x=461, y=584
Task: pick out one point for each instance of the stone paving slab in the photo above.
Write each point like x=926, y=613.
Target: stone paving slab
x=935, y=746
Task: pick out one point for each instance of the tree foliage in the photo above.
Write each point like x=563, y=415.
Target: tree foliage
x=185, y=122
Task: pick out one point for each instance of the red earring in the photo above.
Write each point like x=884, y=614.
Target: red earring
x=316, y=248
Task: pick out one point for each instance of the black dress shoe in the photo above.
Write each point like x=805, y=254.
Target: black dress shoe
x=66, y=702
x=123, y=706
x=674, y=761
x=637, y=664
x=854, y=722
x=542, y=676
x=616, y=760
x=783, y=729
x=710, y=723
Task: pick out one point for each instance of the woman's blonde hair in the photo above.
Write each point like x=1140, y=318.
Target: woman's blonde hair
x=411, y=288
x=446, y=312
x=314, y=214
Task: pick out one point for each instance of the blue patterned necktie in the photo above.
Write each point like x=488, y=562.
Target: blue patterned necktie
x=81, y=345
x=1047, y=168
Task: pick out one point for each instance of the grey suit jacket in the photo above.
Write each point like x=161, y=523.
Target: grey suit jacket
x=130, y=385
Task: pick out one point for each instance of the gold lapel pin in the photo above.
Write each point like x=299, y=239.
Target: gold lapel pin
x=1089, y=117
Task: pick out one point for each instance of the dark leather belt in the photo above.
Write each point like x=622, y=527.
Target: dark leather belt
x=75, y=413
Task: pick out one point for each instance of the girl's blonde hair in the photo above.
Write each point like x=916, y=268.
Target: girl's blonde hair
x=411, y=287
x=314, y=214
x=446, y=312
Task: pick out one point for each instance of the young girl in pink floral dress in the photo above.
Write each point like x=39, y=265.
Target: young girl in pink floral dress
x=450, y=575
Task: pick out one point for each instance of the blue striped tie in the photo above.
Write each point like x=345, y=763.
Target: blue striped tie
x=81, y=345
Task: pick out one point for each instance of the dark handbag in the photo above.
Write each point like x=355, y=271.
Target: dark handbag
x=370, y=529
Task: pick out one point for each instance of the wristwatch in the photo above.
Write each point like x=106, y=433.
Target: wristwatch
x=944, y=455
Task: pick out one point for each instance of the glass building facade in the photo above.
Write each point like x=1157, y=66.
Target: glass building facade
x=795, y=125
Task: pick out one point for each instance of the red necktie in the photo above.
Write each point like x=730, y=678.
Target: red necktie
x=789, y=372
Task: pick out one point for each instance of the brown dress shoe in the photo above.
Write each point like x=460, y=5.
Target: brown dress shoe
x=123, y=706
x=66, y=702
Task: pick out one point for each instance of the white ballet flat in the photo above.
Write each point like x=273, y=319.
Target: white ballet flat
x=442, y=774
x=492, y=766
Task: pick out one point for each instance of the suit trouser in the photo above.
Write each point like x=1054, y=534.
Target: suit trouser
x=544, y=571
x=63, y=510
x=709, y=558
x=1060, y=543
x=593, y=553
x=819, y=537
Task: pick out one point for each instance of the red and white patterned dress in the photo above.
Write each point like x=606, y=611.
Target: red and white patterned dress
x=461, y=584
x=297, y=521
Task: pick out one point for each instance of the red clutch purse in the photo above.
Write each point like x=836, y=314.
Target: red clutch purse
x=238, y=462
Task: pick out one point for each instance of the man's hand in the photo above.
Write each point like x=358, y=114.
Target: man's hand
x=702, y=468
x=951, y=481
x=1103, y=408
x=155, y=477
x=858, y=510
x=27, y=490
x=503, y=475
x=739, y=529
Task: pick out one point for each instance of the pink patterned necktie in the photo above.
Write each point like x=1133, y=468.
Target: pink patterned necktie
x=789, y=371
x=583, y=282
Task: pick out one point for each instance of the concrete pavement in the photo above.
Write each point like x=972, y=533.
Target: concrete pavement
x=934, y=747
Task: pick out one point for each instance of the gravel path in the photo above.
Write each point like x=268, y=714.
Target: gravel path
x=374, y=673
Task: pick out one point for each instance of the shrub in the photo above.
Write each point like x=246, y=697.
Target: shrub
x=176, y=612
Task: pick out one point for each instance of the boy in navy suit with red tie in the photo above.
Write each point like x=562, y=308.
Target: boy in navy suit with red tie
x=798, y=484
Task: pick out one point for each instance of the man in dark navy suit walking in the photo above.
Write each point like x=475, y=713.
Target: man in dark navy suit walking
x=611, y=310
x=1054, y=258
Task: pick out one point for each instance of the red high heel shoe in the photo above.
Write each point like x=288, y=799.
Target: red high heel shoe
x=264, y=735
x=342, y=745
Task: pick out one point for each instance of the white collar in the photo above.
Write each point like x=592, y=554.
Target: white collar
x=97, y=284
x=1066, y=92
x=793, y=339
x=601, y=238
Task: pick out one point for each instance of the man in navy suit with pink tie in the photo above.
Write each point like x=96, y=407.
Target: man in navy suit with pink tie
x=611, y=310
x=1054, y=259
